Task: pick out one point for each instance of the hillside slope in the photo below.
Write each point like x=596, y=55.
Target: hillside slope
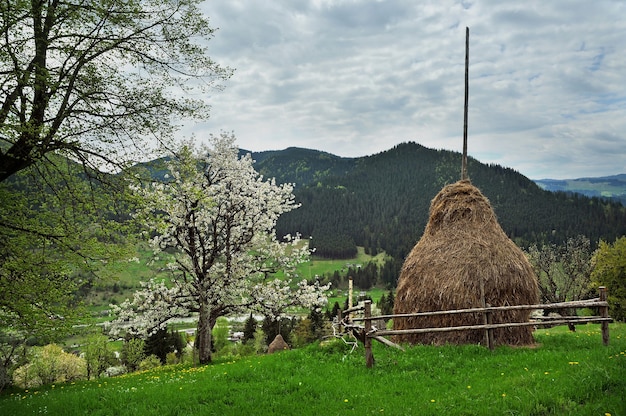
x=382, y=201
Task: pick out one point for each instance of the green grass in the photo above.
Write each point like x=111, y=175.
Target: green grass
x=320, y=266
x=127, y=278
x=567, y=373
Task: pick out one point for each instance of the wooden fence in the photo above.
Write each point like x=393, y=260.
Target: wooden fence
x=368, y=331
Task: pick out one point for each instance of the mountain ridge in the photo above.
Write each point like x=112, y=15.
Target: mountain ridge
x=382, y=201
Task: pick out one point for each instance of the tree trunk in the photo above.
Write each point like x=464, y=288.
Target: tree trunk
x=203, y=334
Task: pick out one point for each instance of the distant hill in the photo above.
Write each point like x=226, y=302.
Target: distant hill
x=381, y=201
x=609, y=187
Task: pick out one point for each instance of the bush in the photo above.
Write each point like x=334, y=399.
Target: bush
x=162, y=342
x=171, y=358
x=150, y=362
x=220, y=334
x=99, y=355
x=115, y=371
x=304, y=333
x=132, y=353
x=50, y=364
x=610, y=270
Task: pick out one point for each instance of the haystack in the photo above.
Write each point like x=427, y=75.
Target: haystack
x=278, y=344
x=462, y=245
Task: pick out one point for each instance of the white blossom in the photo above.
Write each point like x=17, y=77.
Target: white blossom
x=219, y=216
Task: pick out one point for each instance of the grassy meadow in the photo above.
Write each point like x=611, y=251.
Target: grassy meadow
x=124, y=281
x=564, y=374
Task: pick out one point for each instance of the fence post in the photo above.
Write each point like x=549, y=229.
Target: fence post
x=339, y=319
x=369, y=355
x=350, y=295
x=604, y=313
x=489, y=319
x=486, y=316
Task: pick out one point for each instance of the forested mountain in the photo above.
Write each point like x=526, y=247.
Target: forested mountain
x=382, y=201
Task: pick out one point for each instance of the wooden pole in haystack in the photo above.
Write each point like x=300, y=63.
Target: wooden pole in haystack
x=464, y=162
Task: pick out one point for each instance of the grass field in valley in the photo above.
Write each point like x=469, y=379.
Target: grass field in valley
x=125, y=280
x=564, y=374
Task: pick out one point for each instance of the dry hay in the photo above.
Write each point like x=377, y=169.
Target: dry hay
x=462, y=244
x=278, y=344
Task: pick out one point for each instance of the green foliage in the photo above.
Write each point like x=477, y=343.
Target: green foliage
x=220, y=334
x=303, y=333
x=132, y=353
x=249, y=329
x=566, y=373
x=162, y=342
x=59, y=235
x=272, y=327
x=385, y=304
x=50, y=364
x=99, y=355
x=150, y=362
x=171, y=358
x=610, y=271
x=260, y=345
x=313, y=327
x=76, y=100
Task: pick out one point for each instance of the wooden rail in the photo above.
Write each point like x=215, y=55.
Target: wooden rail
x=367, y=332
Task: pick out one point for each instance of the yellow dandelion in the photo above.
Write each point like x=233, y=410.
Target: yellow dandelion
x=503, y=394
x=573, y=363
x=469, y=387
x=432, y=400
x=345, y=400
x=546, y=373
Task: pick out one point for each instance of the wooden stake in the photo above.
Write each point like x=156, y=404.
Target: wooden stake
x=604, y=313
x=350, y=285
x=369, y=355
x=464, y=161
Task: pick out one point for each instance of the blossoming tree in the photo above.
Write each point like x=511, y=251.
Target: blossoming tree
x=218, y=215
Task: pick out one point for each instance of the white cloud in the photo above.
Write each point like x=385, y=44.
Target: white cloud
x=355, y=77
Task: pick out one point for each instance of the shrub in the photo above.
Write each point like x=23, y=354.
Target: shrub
x=50, y=364
x=99, y=355
x=162, y=342
x=304, y=333
x=249, y=329
x=610, y=270
x=150, y=362
x=114, y=371
x=171, y=358
x=26, y=377
x=220, y=334
x=132, y=353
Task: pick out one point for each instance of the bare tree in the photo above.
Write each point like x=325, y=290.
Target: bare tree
x=564, y=272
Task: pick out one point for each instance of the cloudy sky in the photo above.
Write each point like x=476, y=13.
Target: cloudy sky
x=356, y=77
